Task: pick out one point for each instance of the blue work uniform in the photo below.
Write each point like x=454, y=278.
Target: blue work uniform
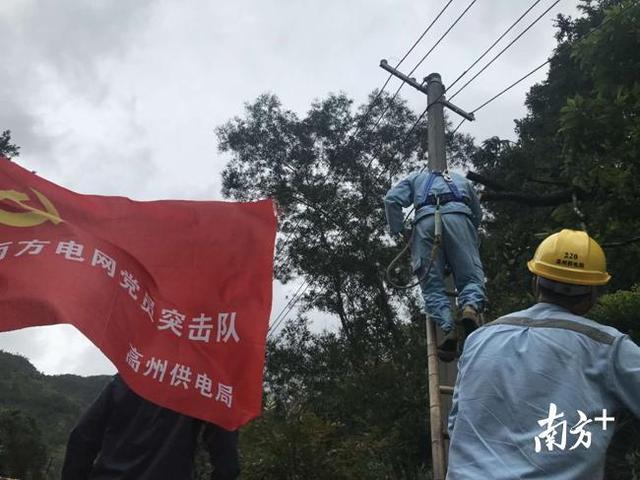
x=510, y=373
x=461, y=217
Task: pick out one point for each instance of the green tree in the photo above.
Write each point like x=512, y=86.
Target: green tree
x=358, y=395
x=54, y=402
x=23, y=453
x=329, y=182
x=7, y=148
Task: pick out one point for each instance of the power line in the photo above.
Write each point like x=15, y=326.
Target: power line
x=288, y=307
x=459, y=125
x=419, y=39
x=422, y=60
x=455, y=22
x=404, y=57
x=504, y=49
x=488, y=50
x=494, y=43
x=293, y=296
x=505, y=90
x=392, y=99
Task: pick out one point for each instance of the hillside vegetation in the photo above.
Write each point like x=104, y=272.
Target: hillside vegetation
x=37, y=412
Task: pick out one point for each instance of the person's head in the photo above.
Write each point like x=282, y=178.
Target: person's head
x=568, y=268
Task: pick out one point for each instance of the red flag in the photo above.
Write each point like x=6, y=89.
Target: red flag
x=176, y=293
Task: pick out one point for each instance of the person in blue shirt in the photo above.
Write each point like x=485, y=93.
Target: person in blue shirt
x=538, y=391
x=461, y=216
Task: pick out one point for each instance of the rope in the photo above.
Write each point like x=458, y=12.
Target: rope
x=437, y=243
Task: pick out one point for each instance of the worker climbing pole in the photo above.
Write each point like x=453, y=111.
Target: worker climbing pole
x=443, y=235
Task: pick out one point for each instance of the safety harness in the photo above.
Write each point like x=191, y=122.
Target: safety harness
x=454, y=194
x=438, y=200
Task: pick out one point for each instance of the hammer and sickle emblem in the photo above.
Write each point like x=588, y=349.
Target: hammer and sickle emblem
x=31, y=216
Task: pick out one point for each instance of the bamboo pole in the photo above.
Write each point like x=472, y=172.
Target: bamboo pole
x=435, y=407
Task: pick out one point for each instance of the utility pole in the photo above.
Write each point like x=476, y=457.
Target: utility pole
x=437, y=161
x=435, y=123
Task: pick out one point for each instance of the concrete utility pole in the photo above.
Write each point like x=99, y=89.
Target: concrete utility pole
x=437, y=162
x=435, y=123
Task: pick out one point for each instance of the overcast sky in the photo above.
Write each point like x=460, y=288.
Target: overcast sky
x=122, y=97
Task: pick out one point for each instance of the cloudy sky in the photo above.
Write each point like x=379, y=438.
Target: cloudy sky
x=121, y=97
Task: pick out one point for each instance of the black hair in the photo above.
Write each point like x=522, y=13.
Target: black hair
x=568, y=301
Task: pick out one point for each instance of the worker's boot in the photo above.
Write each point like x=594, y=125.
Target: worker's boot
x=448, y=349
x=470, y=319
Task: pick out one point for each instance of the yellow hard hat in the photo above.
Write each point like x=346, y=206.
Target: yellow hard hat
x=570, y=256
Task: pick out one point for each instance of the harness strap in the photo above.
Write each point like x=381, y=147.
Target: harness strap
x=453, y=188
x=429, y=184
x=442, y=199
x=591, y=332
x=453, y=196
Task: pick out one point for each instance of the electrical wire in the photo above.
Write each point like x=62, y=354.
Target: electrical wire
x=455, y=22
x=394, y=96
x=505, y=49
x=418, y=41
x=284, y=313
x=524, y=77
x=505, y=90
x=484, y=54
x=404, y=57
x=275, y=320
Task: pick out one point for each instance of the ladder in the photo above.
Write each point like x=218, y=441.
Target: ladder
x=439, y=410
x=439, y=435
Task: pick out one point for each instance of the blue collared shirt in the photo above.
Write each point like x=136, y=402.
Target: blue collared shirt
x=411, y=190
x=509, y=375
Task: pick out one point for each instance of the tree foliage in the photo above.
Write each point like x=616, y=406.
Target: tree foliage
x=328, y=172
x=23, y=453
x=7, y=148
x=52, y=403
x=361, y=391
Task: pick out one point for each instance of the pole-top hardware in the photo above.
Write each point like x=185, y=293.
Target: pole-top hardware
x=434, y=77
